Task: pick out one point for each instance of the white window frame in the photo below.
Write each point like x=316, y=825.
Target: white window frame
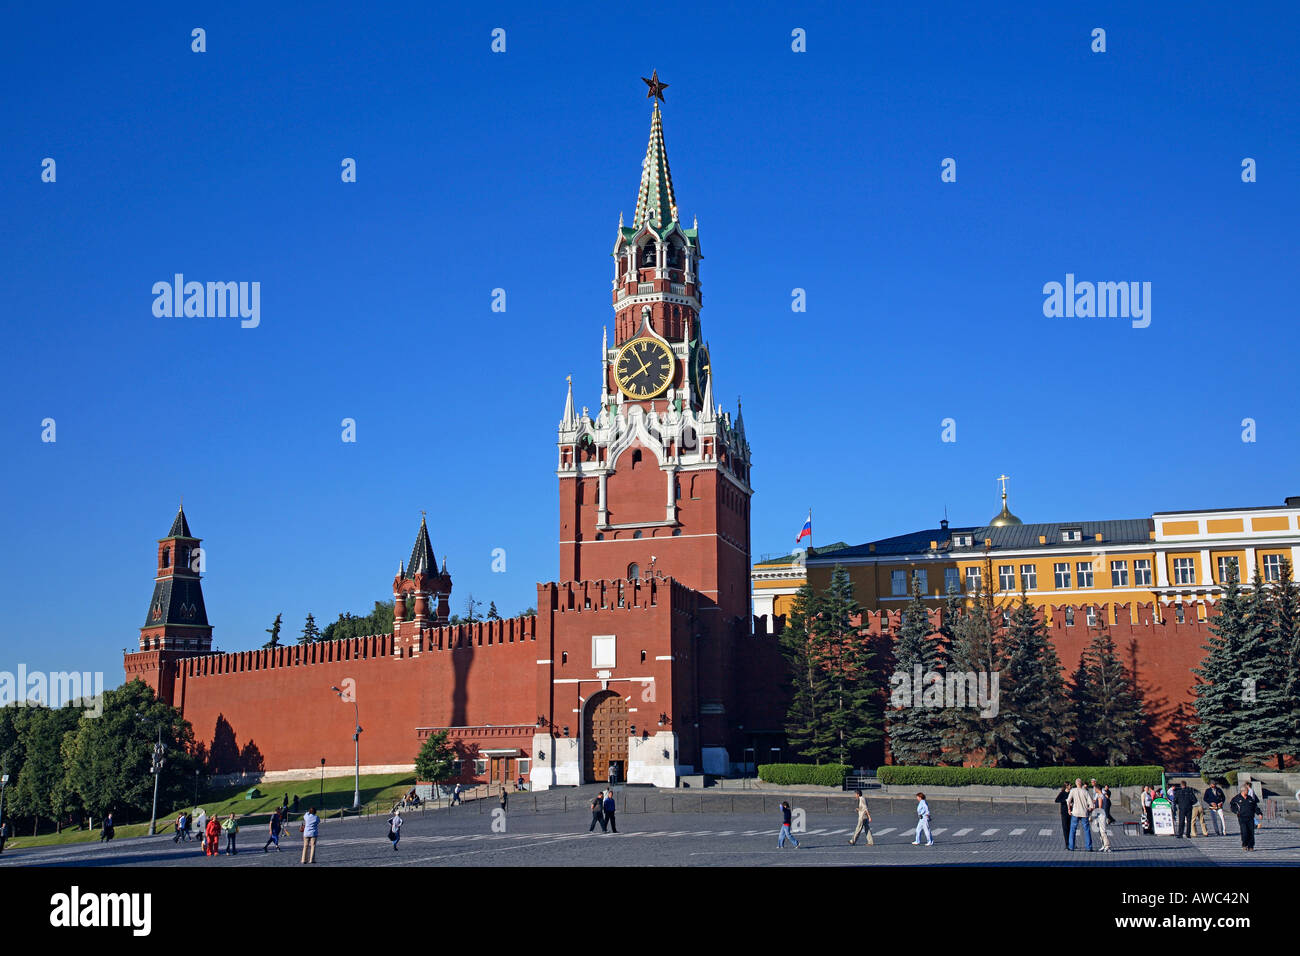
x=1271, y=565
x=974, y=578
x=523, y=766
x=480, y=766
x=898, y=583
x=1225, y=562
x=1083, y=572
x=1092, y=616
x=1184, y=571
x=951, y=580
x=1007, y=577
x=1071, y=534
x=604, y=651
x=1061, y=573
x=1142, y=572
x=1119, y=574
x=1029, y=576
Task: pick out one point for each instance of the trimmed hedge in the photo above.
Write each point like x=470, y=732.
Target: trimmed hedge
x=822, y=774
x=1015, y=777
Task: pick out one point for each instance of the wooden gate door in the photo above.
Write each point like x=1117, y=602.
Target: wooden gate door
x=606, y=735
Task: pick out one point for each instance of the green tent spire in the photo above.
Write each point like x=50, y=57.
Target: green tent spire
x=655, y=200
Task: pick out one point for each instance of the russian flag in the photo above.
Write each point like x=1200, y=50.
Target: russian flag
x=806, y=530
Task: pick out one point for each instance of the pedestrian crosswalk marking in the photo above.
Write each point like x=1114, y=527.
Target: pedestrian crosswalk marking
x=990, y=831
x=963, y=831
x=1045, y=832
x=1017, y=831
x=883, y=832
x=938, y=830
x=726, y=832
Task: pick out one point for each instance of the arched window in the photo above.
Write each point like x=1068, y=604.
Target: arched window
x=677, y=488
x=600, y=536
x=167, y=557
x=564, y=658
x=636, y=534
x=648, y=256
x=636, y=457
x=634, y=572
x=676, y=532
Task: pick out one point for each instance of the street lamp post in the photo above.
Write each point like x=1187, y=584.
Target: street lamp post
x=196, y=786
x=356, y=748
x=4, y=782
x=158, y=750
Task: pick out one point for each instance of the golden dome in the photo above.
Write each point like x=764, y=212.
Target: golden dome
x=1004, y=517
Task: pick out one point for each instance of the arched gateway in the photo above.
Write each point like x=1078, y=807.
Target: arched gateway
x=605, y=737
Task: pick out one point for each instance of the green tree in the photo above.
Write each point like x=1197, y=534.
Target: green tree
x=1264, y=734
x=274, y=631
x=1032, y=702
x=1083, y=705
x=1113, y=714
x=914, y=729
x=977, y=654
x=1220, y=709
x=433, y=762
x=1284, y=598
x=310, y=632
x=471, y=609
x=110, y=756
x=33, y=794
x=804, y=728
x=853, y=714
x=492, y=614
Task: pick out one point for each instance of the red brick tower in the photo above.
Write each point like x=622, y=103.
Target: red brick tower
x=657, y=482
x=176, y=624
x=659, y=478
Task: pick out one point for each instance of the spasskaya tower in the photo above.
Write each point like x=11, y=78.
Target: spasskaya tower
x=657, y=479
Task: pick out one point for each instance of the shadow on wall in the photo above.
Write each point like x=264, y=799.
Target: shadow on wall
x=224, y=754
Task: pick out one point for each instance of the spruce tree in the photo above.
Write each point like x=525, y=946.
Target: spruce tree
x=852, y=714
x=310, y=632
x=1219, y=690
x=1264, y=731
x=1115, y=716
x=1083, y=707
x=274, y=631
x=1033, y=700
x=492, y=613
x=1284, y=597
x=976, y=651
x=803, y=726
x=914, y=730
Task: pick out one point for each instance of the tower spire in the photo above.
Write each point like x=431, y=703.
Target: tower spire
x=655, y=201
x=570, y=419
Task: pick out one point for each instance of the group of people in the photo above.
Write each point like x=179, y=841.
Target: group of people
x=1081, y=807
x=602, y=812
x=1191, y=813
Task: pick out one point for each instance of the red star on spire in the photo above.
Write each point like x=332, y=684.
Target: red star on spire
x=656, y=88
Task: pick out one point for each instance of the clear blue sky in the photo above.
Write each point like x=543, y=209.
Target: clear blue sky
x=477, y=170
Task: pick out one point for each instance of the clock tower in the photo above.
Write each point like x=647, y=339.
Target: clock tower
x=656, y=480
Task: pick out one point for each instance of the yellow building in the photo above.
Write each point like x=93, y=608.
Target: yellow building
x=1169, y=557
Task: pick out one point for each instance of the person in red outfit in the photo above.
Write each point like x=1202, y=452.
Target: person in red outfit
x=211, y=836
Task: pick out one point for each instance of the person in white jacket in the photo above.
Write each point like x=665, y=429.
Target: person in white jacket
x=922, y=821
x=201, y=826
x=395, y=828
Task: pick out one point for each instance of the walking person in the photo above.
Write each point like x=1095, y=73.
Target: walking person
x=609, y=811
x=1246, y=807
x=597, y=812
x=922, y=821
x=505, y=802
x=212, y=836
x=201, y=827
x=180, y=828
x=455, y=795
x=1063, y=801
x=785, y=833
x=864, y=822
x=1103, y=817
x=1080, y=809
x=1148, y=821
x=1214, y=798
x=109, y=831
x=4, y=834
x=277, y=824
x=310, y=827
x=395, y=828
x=231, y=829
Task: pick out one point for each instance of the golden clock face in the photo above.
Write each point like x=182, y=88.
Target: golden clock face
x=644, y=368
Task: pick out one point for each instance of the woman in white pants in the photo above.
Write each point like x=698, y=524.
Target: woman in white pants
x=923, y=821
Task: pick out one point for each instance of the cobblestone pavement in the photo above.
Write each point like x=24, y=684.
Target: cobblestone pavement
x=465, y=836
